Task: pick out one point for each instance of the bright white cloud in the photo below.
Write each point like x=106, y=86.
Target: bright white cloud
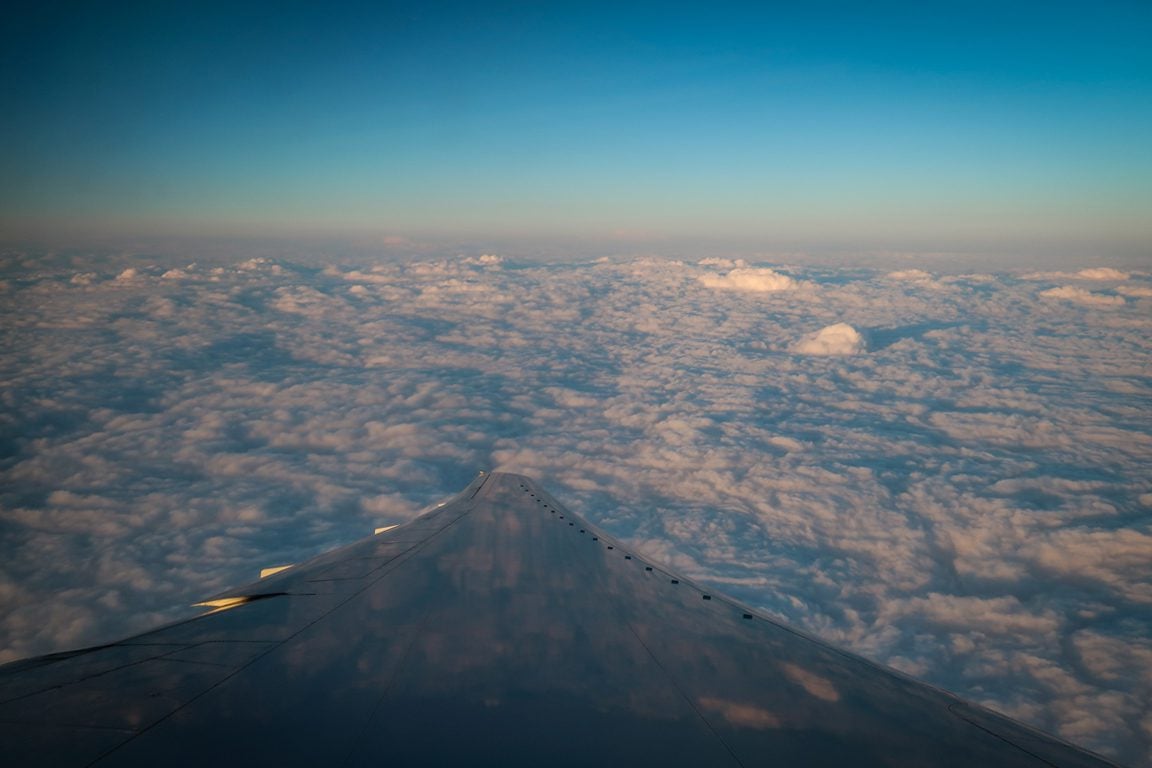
x=750, y=279
x=484, y=260
x=837, y=339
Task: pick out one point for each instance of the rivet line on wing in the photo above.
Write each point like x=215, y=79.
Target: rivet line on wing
x=648, y=568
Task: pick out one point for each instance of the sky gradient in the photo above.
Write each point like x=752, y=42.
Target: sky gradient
x=990, y=125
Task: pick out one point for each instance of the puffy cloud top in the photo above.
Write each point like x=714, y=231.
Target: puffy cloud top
x=1102, y=273
x=722, y=263
x=1088, y=273
x=484, y=260
x=838, y=339
x=909, y=274
x=1081, y=296
x=751, y=279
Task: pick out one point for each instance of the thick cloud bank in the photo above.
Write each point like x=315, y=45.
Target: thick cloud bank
x=1102, y=273
x=970, y=501
x=1108, y=274
x=1081, y=296
x=838, y=339
x=910, y=274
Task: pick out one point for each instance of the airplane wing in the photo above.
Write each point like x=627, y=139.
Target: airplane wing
x=496, y=629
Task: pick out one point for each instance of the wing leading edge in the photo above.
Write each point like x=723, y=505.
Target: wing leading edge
x=497, y=628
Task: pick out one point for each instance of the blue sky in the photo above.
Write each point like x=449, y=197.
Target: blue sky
x=872, y=125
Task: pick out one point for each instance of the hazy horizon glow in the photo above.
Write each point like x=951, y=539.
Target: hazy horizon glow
x=983, y=125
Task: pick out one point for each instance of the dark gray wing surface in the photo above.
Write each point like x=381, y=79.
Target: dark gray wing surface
x=497, y=629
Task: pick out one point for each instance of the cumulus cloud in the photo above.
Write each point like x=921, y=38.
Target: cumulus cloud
x=260, y=264
x=483, y=260
x=915, y=275
x=1081, y=296
x=989, y=616
x=1102, y=273
x=968, y=503
x=750, y=279
x=837, y=339
x=722, y=263
x=1107, y=557
x=1088, y=273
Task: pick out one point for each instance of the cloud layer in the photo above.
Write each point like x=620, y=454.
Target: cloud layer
x=968, y=500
